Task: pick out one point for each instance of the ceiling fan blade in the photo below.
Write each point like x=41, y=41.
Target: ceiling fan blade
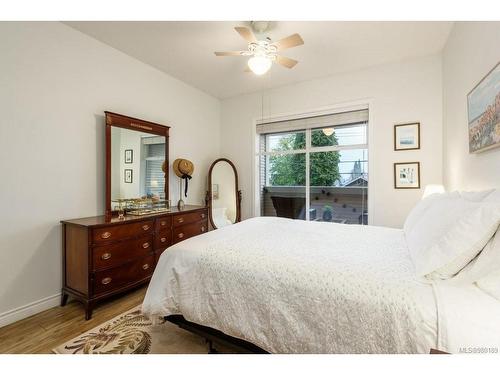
x=229, y=53
x=246, y=33
x=286, y=61
x=289, y=42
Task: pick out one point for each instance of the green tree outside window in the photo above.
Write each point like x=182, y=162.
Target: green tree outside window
x=290, y=170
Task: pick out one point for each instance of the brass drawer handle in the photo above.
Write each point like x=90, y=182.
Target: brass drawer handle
x=145, y=245
x=163, y=239
x=203, y=229
x=202, y=216
x=145, y=266
x=106, y=235
x=106, y=280
x=180, y=235
x=163, y=223
x=180, y=220
x=105, y=256
x=145, y=227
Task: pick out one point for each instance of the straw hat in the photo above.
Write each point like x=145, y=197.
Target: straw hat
x=183, y=167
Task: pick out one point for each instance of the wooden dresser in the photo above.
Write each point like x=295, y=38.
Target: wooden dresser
x=103, y=257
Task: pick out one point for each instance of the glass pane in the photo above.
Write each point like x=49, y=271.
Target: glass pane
x=286, y=141
x=339, y=186
x=282, y=186
x=339, y=135
x=136, y=161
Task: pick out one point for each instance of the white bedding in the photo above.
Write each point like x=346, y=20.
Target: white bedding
x=291, y=286
x=469, y=320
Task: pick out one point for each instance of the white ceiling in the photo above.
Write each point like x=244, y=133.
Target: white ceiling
x=185, y=49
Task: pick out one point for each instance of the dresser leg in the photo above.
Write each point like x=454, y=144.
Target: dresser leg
x=64, y=298
x=89, y=306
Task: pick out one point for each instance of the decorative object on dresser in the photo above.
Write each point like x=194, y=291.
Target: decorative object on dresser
x=184, y=169
x=115, y=252
x=223, y=197
x=407, y=136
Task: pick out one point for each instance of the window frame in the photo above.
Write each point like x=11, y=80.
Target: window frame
x=307, y=151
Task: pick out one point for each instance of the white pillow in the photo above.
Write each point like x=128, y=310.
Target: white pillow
x=487, y=261
x=450, y=232
x=491, y=283
x=418, y=211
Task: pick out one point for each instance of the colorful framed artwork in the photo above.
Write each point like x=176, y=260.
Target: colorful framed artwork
x=129, y=156
x=407, y=136
x=128, y=176
x=407, y=175
x=483, y=112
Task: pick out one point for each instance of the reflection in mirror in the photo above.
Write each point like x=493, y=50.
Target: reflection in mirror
x=136, y=165
x=224, y=207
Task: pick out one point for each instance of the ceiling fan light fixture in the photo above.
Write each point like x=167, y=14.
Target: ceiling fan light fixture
x=259, y=64
x=328, y=131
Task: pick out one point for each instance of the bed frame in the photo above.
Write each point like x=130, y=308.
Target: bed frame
x=214, y=336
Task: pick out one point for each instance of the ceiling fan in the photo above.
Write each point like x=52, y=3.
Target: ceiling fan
x=263, y=52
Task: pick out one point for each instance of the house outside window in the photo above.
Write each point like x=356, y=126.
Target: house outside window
x=315, y=168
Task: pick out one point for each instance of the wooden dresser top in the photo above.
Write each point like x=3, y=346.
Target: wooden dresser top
x=102, y=220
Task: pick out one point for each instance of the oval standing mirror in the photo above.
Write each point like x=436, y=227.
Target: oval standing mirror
x=224, y=198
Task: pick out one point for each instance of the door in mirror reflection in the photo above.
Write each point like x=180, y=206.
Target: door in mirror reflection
x=136, y=161
x=224, y=195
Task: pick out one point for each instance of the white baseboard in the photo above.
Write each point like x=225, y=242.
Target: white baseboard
x=32, y=308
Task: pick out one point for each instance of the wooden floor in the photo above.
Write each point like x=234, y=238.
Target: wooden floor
x=44, y=331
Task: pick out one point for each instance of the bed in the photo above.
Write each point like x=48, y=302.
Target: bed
x=292, y=286
x=289, y=286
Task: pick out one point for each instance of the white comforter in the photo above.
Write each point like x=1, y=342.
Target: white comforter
x=291, y=286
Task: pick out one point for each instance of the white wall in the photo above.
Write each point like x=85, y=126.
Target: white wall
x=470, y=52
x=402, y=92
x=55, y=84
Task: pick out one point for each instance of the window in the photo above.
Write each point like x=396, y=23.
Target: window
x=315, y=168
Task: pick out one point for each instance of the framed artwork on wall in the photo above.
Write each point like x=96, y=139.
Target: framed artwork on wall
x=407, y=175
x=128, y=176
x=483, y=112
x=407, y=136
x=215, y=191
x=129, y=156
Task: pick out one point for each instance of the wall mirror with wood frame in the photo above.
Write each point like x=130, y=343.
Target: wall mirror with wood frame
x=224, y=198
x=136, y=165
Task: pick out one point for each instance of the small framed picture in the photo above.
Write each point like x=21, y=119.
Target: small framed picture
x=407, y=175
x=128, y=176
x=407, y=136
x=129, y=156
x=215, y=191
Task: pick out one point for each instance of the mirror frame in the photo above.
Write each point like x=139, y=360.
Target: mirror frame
x=126, y=122
x=237, y=191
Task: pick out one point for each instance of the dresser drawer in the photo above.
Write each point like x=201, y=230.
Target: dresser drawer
x=163, y=223
x=112, y=255
x=190, y=230
x=125, y=274
x=192, y=217
x=117, y=232
x=163, y=239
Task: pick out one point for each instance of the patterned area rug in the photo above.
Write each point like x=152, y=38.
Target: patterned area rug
x=133, y=333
